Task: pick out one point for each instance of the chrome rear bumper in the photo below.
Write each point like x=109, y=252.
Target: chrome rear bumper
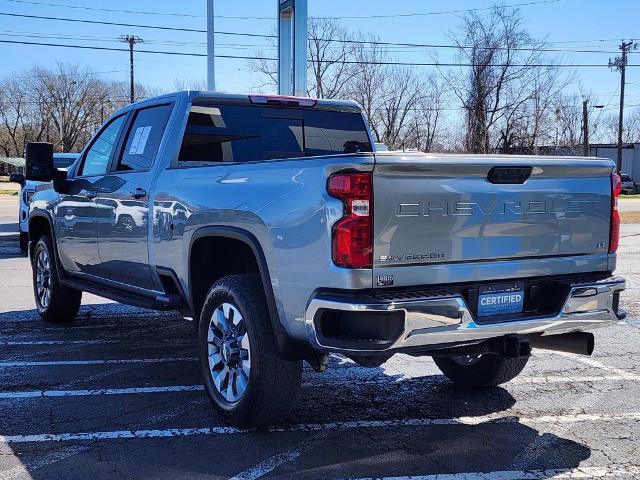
x=445, y=320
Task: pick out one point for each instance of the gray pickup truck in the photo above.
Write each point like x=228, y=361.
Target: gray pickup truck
x=273, y=224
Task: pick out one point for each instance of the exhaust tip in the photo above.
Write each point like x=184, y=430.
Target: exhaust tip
x=581, y=343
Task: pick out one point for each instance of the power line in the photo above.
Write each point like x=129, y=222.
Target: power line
x=118, y=24
x=11, y=77
x=111, y=10
x=270, y=47
x=352, y=62
x=445, y=12
x=256, y=35
x=248, y=17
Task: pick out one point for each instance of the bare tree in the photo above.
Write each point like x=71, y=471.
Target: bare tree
x=20, y=117
x=63, y=106
x=608, y=127
x=368, y=81
x=198, y=84
x=503, y=59
x=427, y=117
x=328, y=54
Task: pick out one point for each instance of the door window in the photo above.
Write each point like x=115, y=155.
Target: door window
x=144, y=137
x=97, y=157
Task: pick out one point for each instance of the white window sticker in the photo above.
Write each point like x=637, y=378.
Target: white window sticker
x=139, y=141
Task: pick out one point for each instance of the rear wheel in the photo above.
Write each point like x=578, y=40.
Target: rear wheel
x=248, y=382
x=479, y=371
x=55, y=302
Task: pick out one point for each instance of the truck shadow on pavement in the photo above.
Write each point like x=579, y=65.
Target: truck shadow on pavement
x=350, y=422
x=9, y=245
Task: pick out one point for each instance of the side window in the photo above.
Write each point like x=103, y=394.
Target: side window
x=97, y=157
x=143, y=138
x=241, y=134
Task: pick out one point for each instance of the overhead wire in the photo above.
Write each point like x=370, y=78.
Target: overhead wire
x=252, y=17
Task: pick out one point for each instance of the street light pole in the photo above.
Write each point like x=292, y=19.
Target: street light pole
x=211, y=65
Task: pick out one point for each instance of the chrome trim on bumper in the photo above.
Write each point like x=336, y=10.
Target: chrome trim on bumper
x=446, y=320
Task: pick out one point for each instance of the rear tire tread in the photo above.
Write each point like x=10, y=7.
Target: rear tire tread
x=489, y=371
x=274, y=384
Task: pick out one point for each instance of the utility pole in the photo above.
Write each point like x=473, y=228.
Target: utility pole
x=585, y=127
x=211, y=64
x=620, y=64
x=131, y=40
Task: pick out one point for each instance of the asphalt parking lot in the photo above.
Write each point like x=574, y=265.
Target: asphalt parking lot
x=117, y=395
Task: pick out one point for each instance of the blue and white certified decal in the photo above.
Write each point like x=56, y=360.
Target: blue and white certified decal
x=500, y=299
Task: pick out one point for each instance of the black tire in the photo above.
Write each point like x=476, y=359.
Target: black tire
x=273, y=383
x=486, y=371
x=63, y=302
x=24, y=241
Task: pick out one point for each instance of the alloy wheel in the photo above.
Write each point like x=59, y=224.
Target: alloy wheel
x=229, y=352
x=43, y=278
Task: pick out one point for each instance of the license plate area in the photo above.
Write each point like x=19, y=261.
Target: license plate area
x=500, y=299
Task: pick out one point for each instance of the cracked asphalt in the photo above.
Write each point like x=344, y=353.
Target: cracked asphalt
x=117, y=395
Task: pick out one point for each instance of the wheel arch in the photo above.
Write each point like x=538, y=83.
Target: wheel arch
x=288, y=347
x=40, y=224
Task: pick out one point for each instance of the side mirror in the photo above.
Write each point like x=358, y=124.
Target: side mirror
x=60, y=182
x=39, y=161
x=17, y=178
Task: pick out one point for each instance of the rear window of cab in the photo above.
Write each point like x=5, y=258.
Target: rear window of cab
x=244, y=133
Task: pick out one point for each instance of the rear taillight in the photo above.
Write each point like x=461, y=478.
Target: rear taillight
x=353, y=234
x=614, y=232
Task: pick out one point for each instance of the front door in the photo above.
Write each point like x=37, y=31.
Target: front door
x=124, y=197
x=77, y=216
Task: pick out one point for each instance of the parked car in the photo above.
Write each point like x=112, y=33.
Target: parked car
x=272, y=223
x=629, y=187
x=28, y=188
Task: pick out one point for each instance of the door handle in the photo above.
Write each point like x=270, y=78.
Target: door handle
x=138, y=193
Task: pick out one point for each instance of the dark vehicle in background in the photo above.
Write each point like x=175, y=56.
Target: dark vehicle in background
x=28, y=188
x=629, y=187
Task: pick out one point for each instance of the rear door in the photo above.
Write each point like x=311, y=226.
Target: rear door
x=123, y=200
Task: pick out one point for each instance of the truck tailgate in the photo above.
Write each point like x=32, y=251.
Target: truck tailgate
x=439, y=209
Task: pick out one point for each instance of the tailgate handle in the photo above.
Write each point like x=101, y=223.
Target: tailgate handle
x=506, y=175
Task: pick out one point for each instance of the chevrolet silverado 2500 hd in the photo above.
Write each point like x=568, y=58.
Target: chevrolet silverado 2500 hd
x=273, y=224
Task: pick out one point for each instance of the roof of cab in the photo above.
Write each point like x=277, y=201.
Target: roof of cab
x=195, y=96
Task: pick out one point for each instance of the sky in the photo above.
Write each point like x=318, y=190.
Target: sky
x=577, y=24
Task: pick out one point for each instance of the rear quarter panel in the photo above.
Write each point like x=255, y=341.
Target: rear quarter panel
x=283, y=204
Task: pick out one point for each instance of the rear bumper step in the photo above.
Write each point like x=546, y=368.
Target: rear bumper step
x=443, y=320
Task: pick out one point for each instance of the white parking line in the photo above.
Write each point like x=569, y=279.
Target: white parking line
x=25, y=470
x=584, y=379
x=100, y=391
x=317, y=427
x=320, y=381
x=594, y=363
x=573, y=473
x=193, y=388
x=50, y=363
x=267, y=466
